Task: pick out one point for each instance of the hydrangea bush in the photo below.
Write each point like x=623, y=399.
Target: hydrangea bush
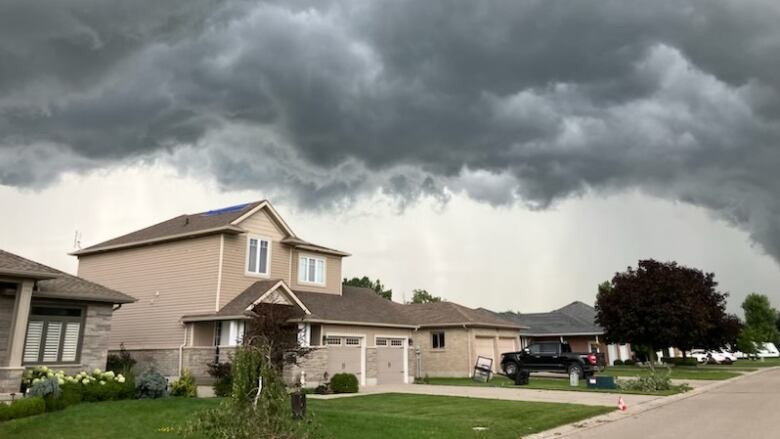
x=97, y=376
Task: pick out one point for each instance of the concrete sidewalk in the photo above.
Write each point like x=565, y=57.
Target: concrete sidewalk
x=504, y=393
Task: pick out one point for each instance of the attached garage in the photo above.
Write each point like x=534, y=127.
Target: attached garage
x=506, y=344
x=345, y=355
x=390, y=360
x=483, y=347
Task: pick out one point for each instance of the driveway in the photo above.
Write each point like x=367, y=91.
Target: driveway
x=509, y=394
x=744, y=407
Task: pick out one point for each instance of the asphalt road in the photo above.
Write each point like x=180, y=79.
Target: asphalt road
x=746, y=408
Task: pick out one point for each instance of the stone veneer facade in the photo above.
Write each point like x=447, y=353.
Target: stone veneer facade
x=94, y=346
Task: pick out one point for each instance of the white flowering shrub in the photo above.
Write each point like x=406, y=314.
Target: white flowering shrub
x=96, y=385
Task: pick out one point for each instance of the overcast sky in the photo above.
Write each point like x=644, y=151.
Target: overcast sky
x=509, y=154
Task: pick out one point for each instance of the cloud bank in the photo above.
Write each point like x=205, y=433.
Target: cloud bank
x=324, y=102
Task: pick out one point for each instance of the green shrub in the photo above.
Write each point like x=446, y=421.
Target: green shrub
x=656, y=381
x=629, y=362
x=185, y=385
x=70, y=395
x=22, y=408
x=151, y=385
x=108, y=390
x=617, y=363
x=344, y=383
x=45, y=387
x=223, y=378
x=120, y=363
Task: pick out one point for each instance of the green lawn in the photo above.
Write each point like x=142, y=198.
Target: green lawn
x=678, y=373
x=422, y=416
x=535, y=383
x=365, y=417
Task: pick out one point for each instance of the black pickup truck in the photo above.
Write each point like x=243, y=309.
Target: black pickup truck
x=552, y=357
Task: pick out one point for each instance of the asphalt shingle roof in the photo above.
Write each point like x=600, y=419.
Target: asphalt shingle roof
x=452, y=314
x=180, y=225
x=574, y=318
x=58, y=284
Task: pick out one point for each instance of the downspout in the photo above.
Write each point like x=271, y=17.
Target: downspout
x=181, y=348
x=468, y=360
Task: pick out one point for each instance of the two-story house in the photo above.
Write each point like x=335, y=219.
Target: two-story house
x=197, y=278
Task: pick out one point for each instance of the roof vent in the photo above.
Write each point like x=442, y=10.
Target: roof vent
x=186, y=221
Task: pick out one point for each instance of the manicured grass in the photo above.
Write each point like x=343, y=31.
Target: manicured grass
x=112, y=419
x=536, y=383
x=678, y=373
x=433, y=417
x=364, y=417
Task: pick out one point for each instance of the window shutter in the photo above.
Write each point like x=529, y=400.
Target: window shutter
x=70, y=342
x=33, y=344
x=51, y=346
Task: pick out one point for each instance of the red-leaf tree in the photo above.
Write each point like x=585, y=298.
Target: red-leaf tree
x=663, y=304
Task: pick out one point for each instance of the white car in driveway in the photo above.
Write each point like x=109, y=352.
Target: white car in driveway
x=719, y=357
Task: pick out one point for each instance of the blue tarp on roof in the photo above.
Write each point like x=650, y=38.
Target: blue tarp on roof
x=230, y=209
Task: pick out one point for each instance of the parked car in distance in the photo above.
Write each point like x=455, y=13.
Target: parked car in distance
x=768, y=350
x=552, y=357
x=715, y=356
x=730, y=356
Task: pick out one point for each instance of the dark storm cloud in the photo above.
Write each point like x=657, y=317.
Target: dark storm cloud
x=528, y=101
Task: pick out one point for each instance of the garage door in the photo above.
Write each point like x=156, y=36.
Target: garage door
x=483, y=347
x=390, y=360
x=505, y=344
x=344, y=354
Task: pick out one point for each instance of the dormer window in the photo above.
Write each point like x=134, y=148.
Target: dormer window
x=258, y=255
x=311, y=270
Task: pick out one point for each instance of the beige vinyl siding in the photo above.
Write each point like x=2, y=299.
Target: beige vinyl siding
x=332, y=273
x=184, y=273
x=234, y=277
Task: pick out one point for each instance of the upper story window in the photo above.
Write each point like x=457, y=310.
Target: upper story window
x=258, y=255
x=311, y=270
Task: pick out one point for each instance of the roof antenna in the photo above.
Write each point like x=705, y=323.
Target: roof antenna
x=77, y=240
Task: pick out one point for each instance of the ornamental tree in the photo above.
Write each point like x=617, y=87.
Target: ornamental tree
x=760, y=318
x=663, y=304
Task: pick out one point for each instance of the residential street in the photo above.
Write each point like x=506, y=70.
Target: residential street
x=746, y=408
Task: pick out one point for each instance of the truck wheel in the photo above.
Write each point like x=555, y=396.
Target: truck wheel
x=576, y=368
x=510, y=370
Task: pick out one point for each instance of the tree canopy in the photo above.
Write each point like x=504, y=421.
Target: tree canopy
x=663, y=304
x=366, y=282
x=423, y=296
x=760, y=318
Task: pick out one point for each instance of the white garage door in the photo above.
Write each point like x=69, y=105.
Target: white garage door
x=344, y=355
x=506, y=344
x=390, y=360
x=483, y=347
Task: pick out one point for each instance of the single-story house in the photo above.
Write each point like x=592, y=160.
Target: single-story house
x=48, y=317
x=575, y=324
x=450, y=337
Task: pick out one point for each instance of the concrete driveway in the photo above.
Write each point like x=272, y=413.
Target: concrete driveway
x=509, y=394
x=743, y=407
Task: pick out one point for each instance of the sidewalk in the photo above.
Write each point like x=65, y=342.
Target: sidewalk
x=504, y=393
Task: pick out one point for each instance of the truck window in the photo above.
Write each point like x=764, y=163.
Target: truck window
x=535, y=349
x=550, y=348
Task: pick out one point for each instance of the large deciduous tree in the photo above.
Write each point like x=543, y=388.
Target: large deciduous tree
x=423, y=296
x=366, y=282
x=663, y=304
x=760, y=318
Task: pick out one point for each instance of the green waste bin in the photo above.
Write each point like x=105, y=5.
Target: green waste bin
x=601, y=383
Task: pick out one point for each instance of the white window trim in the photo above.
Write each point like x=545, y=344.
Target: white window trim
x=259, y=238
x=324, y=260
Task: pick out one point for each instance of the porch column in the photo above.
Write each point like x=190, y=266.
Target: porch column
x=19, y=323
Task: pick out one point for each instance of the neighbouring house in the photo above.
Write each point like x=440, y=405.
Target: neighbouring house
x=51, y=318
x=575, y=324
x=449, y=338
x=198, y=277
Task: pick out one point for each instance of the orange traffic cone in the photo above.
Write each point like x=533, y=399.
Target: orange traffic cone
x=622, y=405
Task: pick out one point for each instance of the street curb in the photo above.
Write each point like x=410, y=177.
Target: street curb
x=616, y=416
